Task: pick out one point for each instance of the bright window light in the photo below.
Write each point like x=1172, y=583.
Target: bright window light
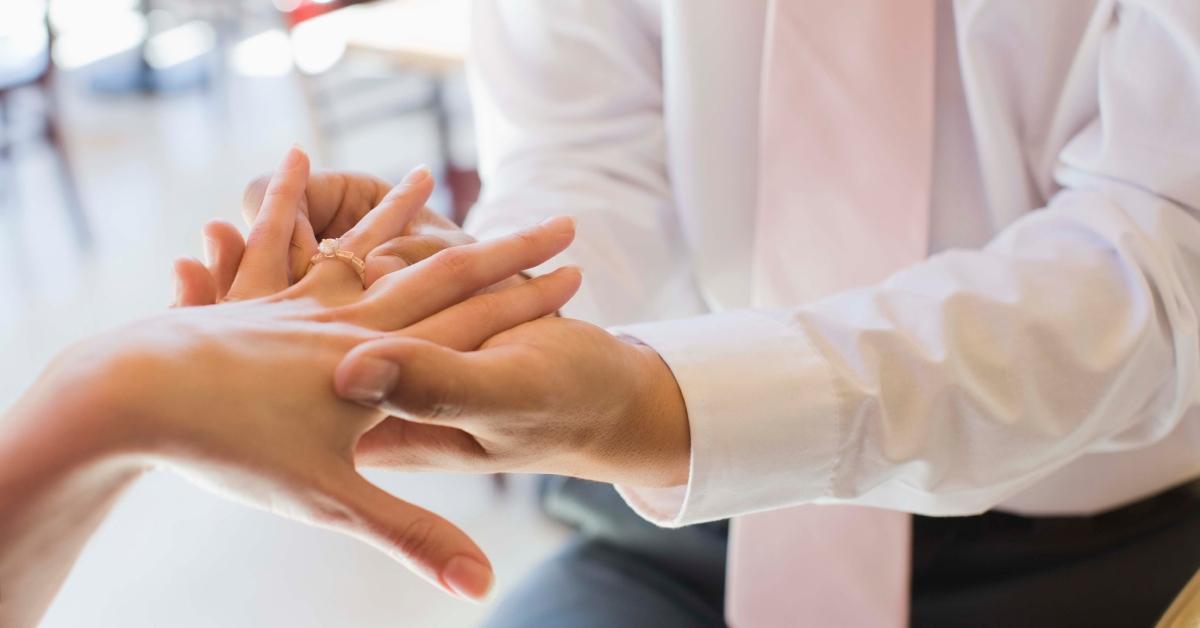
x=318, y=45
x=180, y=44
x=73, y=15
x=110, y=34
x=22, y=35
x=268, y=53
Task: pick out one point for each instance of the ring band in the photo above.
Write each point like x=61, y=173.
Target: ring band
x=331, y=248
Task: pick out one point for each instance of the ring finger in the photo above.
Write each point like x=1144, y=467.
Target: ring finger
x=384, y=222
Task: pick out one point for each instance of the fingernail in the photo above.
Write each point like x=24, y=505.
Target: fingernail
x=561, y=224
x=468, y=578
x=416, y=175
x=371, y=380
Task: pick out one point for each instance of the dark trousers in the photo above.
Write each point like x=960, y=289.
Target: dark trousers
x=1120, y=568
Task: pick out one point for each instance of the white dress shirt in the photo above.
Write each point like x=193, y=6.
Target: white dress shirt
x=1042, y=360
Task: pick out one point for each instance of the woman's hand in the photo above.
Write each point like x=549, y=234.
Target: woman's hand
x=238, y=396
x=333, y=203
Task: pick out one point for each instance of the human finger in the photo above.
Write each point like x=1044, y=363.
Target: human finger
x=223, y=249
x=467, y=325
x=456, y=273
x=431, y=546
x=264, y=267
x=389, y=218
x=422, y=381
x=334, y=201
x=194, y=285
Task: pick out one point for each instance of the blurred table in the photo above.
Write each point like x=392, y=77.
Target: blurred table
x=430, y=34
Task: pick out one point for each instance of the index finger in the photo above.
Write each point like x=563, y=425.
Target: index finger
x=456, y=273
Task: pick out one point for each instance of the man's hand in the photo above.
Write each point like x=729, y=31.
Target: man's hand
x=553, y=395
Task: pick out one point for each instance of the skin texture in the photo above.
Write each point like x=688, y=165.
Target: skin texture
x=553, y=395
x=336, y=201
x=237, y=396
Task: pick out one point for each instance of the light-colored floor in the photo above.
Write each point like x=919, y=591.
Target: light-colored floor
x=151, y=171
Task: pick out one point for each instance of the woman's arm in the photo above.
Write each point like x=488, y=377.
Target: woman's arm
x=213, y=393
x=61, y=468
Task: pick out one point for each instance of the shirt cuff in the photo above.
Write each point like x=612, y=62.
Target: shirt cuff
x=763, y=412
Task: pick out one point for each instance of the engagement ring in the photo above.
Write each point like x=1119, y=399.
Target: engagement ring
x=331, y=248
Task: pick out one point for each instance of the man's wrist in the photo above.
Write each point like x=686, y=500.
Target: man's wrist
x=661, y=409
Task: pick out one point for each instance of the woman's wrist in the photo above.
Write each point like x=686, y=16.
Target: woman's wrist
x=62, y=465
x=82, y=409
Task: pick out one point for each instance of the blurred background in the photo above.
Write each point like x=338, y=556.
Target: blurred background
x=124, y=126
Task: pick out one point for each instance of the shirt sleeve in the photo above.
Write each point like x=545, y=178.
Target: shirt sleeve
x=962, y=380
x=568, y=104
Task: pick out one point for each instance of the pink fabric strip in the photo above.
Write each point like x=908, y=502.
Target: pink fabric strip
x=845, y=166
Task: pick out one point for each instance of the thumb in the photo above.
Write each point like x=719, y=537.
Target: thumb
x=431, y=546
x=424, y=381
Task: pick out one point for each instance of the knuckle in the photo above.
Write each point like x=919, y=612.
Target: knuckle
x=283, y=187
x=489, y=307
x=397, y=194
x=537, y=288
x=423, y=246
x=526, y=243
x=456, y=261
x=329, y=512
x=350, y=236
x=260, y=235
x=439, y=407
x=338, y=319
x=279, y=190
x=413, y=538
x=401, y=247
x=528, y=238
x=437, y=403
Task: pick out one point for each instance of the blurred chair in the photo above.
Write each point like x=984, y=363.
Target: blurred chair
x=426, y=38
x=25, y=44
